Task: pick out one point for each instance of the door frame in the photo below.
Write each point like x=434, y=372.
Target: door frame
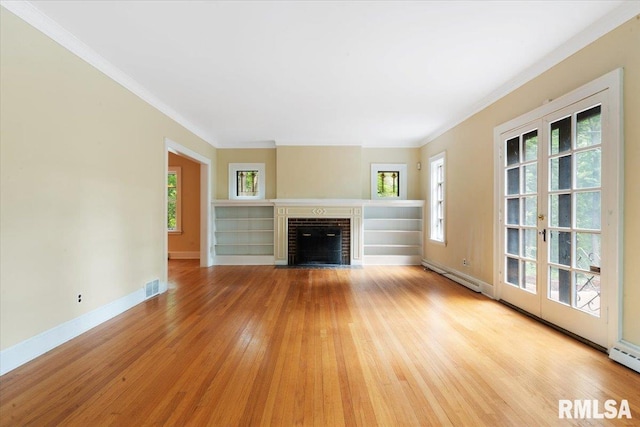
x=612, y=84
x=206, y=258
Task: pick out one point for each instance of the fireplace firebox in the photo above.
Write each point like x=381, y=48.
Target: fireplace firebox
x=319, y=245
x=314, y=241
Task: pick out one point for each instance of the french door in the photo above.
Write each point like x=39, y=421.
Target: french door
x=552, y=245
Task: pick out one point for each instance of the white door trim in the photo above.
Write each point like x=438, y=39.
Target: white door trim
x=206, y=259
x=612, y=83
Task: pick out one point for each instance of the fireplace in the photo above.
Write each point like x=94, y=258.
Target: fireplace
x=319, y=241
x=292, y=213
x=319, y=245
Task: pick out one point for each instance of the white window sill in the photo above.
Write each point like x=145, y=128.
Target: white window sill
x=438, y=242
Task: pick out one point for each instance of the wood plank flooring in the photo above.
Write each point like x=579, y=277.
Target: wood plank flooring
x=245, y=346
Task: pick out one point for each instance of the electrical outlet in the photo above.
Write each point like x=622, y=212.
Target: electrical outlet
x=465, y=262
x=79, y=297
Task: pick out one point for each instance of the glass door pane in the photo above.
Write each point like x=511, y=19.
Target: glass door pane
x=521, y=201
x=574, y=203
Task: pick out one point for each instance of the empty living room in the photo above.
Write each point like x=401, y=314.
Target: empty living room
x=359, y=213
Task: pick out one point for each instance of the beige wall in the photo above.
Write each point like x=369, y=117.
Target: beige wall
x=82, y=170
x=259, y=155
x=469, y=148
x=310, y=172
x=297, y=168
x=319, y=172
x=339, y=172
x=188, y=240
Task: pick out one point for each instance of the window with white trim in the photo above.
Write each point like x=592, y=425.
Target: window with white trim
x=174, y=198
x=437, y=200
x=246, y=181
x=388, y=181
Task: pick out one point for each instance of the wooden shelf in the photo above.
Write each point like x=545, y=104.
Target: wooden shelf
x=243, y=230
x=392, y=234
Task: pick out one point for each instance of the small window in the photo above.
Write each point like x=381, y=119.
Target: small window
x=388, y=181
x=174, y=196
x=388, y=184
x=437, y=202
x=246, y=181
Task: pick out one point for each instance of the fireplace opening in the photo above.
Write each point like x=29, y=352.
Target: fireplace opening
x=317, y=241
x=319, y=245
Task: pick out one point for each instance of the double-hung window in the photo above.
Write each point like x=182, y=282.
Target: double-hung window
x=437, y=200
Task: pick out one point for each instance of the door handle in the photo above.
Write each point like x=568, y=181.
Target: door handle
x=543, y=233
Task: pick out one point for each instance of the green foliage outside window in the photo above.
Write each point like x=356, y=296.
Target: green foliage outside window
x=247, y=182
x=172, y=201
x=388, y=184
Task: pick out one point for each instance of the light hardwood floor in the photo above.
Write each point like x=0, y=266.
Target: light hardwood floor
x=264, y=346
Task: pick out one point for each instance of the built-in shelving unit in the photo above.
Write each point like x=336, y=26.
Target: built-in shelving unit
x=393, y=233
x=383, y=232
x=244, y=233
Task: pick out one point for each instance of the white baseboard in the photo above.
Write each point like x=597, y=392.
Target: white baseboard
x=470, y=282
x=38, y=345
x=392, y=260
x=626, y=354
x=243, y=260
x=184, y=255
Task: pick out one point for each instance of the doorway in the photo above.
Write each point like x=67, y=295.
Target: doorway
x=206, y=259
x=558, y=204
x=183, y=222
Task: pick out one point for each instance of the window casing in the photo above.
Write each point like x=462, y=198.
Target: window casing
x=437, y=200
x=174, y=199
x=246, y=181
x=389, y=181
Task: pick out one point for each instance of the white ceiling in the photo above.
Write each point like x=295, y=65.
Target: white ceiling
x=242, y=74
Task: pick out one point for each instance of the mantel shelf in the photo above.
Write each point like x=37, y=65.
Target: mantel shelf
x=244, y=231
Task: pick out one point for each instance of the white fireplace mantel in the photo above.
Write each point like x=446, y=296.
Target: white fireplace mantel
x=313, y=208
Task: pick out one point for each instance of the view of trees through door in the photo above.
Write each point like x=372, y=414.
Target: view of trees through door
x=557, y=185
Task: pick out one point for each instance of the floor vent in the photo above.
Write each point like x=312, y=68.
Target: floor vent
x=626, y=357
x=151, y=289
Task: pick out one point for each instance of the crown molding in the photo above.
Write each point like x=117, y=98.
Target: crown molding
x=318, y=143
x=247, y=145
x=609, y=22
x=341, y=143
x=274, y=144
x=34, y=17
x=399, y=144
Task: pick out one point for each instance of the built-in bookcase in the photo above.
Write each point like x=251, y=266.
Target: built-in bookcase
x=393, y=233
x=243, y=233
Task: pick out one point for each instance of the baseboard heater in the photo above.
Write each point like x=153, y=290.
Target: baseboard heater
x=626, y=355
x=453, y=275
